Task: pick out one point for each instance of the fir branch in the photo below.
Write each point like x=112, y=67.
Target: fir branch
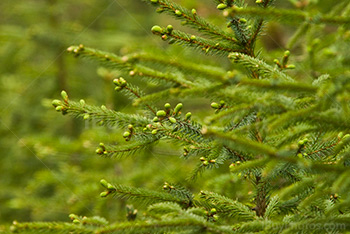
x=180, y=192
x=145, y=196
x=163, y=208
x=255, y=226
x=229, y=112
x=259, y=66
x=161, y=95
x=113, y=61
x=242, y=34
x=180, y=137
x=319, y=151
x=192, y=19
x=144, y=71
x=276, y=85
x=272, y=208
x=105, y=59
x=199, y=169
x=227, y=207
x=102, y=114
x=290, y=117
x=206, y=45
x=189, y=224
x=131, y=91
x=118, y=151
x=297, y=188
x=248, y=165
x=214, y=72
x=51, y=227
x=289, y=16
x=258, y=26
x=243, y=143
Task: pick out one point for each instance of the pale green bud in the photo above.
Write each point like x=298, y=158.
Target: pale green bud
x=56, y=103
x=221, y=6
x=64, y=95
x=178, y=108
x=172, y=120
x=161, y=113
x=104, y=183
x=157, y=29
x=178, y=13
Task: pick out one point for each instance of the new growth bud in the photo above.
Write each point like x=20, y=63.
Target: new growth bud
x=178, y=12
x=161, y=113
x=188, y=116
x=167, y=106
x=169, y=28
x=215, y=105
x=172, y=120
x=178, y=108
x=104, y=194
x=64, y=95
x=156, y=29
x=56, y=103
x=221, y=6
x=104, y=183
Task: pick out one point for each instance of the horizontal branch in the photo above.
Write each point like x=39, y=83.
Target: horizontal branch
x=113, y=61
x=289, y=16
x=192, y=19
x=206, y=45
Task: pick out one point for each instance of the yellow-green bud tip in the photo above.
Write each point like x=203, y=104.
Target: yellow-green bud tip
x=215, y=105
x=178, y=12
x=172, y=120
x=221, y=6
x=161, y=113
x=56, y=103
x=178, y=108
x=64, y=95
x=157, y=29
x=104, y=183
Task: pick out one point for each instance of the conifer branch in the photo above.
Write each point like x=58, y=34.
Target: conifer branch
x=205, y=45
x=208, y=70
x=192, y=19
x=50, y=227
x=289, y=16
x=243, y=143
x=260, y=67
x=178, y=224
x=258, y=25
x=101, y=115
x=118, y=151
x=227, y=207
x=279, y=86
x=135, y=92
x=144, y=196
x=113, y=61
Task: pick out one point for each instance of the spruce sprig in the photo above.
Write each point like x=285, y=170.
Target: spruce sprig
x=191, y=18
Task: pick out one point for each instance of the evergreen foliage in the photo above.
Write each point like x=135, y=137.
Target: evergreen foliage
x=279, y=132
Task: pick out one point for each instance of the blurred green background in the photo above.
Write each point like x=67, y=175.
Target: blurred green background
x=48, y=168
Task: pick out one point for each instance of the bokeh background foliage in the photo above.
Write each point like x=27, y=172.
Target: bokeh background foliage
x=48, y=168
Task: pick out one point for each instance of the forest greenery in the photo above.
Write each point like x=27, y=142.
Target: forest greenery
x=261, y=133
